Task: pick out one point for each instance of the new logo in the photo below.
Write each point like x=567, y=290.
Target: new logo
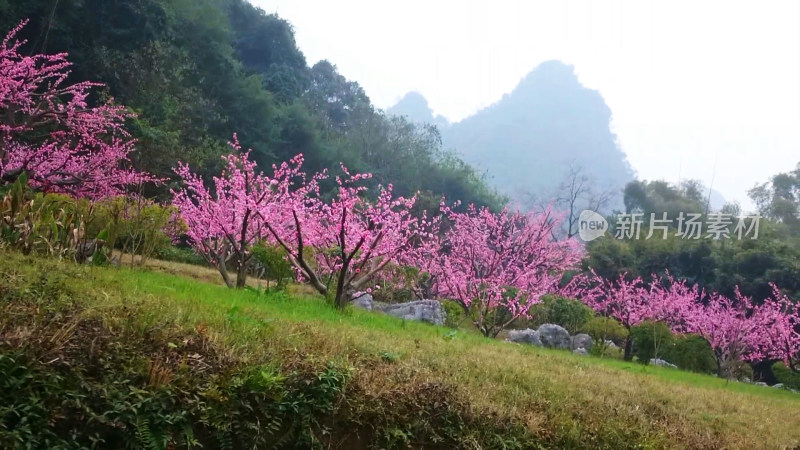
x=591, y=225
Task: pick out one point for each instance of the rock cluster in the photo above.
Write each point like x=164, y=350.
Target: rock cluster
x=430, y=311
x=553, y=336
x=661, y=362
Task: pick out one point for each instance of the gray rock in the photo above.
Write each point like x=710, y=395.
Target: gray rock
x=746, y=380
x=364, y=301
x=582, y=340
x=778, y=386
x=760, y=383
x=526, y=336
x=430, y=311
x=580, y=351
x=610, y=344
x=662, y=363
x=554, y=336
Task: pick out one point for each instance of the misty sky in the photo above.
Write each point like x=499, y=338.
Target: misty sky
x=692, y=85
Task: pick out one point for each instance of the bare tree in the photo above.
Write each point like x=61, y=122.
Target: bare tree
x=577, y=191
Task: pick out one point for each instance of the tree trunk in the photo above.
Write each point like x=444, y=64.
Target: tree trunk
x=628, y=348
x=721, y=368
x=241, y=277
x=223, y=270
x=339, y=299
x=241, y=272
x=227, y=278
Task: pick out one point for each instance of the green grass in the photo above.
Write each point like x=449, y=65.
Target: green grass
x=505, y=394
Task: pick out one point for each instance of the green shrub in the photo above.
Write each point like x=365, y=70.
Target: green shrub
x=603, y=329
x=399, y=284
x=650, y=340
x=455, y=313
x=738, y=370
x=138, y=226
x=49, y=224
x=570, y=314
x=606, y=351
x=787, y=376
x=275, y=264
x=389, y=293
x=60, y=225
x=180, y=255
x=691, y=352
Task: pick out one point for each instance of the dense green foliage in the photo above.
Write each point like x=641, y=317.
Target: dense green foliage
x=198, y=71
x=274, y=263
x=717, y=265
x=64, y=226
x=787, y=376
x=181, y=254
x=779, y=198
x=603, y=328
x=691, y=352
x=569, y=313
x=650, y=339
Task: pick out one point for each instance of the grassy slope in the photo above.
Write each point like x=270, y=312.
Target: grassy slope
x=559, y=399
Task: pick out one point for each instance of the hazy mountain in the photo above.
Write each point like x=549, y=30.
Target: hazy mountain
x=526, y=140
x=414, y=106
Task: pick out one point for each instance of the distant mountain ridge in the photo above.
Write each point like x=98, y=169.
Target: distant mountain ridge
x=415, y=106
x=527, y=140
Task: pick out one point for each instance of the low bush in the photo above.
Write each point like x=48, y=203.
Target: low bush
x=138, y=226
x=184, y=255
x=603, y=329
x=570, y=314
x=274, y=264
x=392, y=294
x=63, y=226
x=691, y=352
x=455, y=313
x=651, y=340
x=787, y=376
x=399, y=284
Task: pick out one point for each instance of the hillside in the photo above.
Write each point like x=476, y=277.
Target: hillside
x=197, y=71
x=526, y=141
x=134, y=358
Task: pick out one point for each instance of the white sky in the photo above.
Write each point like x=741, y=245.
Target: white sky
x=689, y=82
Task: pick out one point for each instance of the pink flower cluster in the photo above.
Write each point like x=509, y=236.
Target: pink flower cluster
x=337, y=245
x=736, y=328
x=49, y=131
x=498, y=262
x=224, y=223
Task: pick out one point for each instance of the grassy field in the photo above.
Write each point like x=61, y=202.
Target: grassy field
x=406, y=382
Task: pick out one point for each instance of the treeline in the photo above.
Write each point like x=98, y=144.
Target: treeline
x=197, y=71
x=751, y=263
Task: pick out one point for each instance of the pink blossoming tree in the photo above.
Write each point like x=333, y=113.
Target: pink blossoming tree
x=632, y=302
x=730, y=328
x=622, y=299
x=351, y=238
x=778, y=319
x=49, y=131
x=224, y=223
x=500, y=265
x=673, y=302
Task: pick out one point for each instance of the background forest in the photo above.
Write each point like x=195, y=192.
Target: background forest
x=196, y=72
